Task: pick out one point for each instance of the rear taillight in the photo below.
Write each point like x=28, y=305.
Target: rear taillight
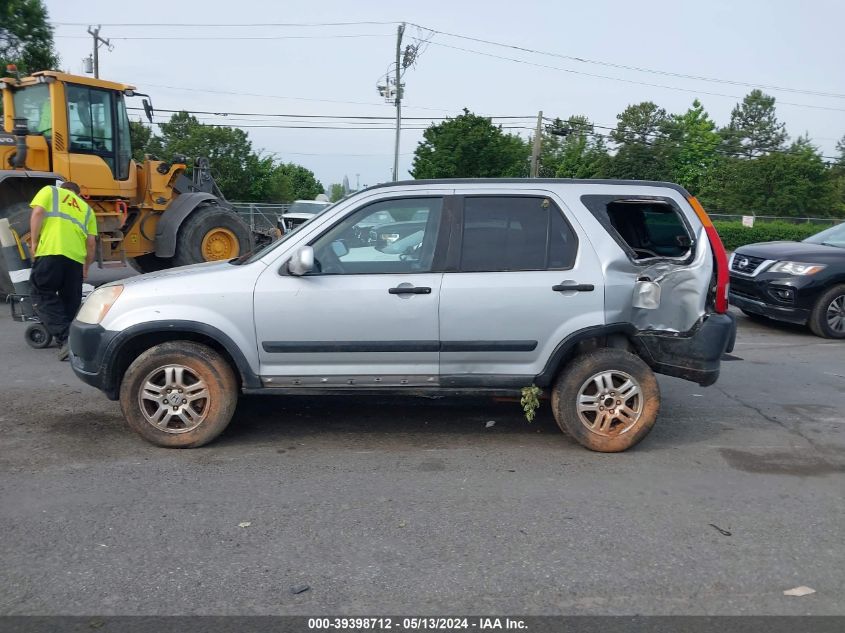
x=719, y=254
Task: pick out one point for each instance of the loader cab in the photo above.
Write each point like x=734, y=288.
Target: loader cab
x=85, y=124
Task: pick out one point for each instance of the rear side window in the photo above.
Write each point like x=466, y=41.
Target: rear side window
x=502, y=233
x=646, y=228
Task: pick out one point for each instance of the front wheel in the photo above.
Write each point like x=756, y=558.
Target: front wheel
x=179, y=394
x=828, y=316
x=607, y=400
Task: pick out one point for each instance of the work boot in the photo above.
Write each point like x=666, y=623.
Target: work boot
x=64, y=351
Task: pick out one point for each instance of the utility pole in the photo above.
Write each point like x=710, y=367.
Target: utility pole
x=95, y=33
x=535, y=150
x=399, y=32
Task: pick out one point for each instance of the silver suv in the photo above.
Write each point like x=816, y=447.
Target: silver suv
x=581, y=288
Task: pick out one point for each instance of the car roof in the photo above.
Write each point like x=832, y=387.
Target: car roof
x=525, y=181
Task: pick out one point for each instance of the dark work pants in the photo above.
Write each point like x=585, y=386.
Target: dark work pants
x=56, y=292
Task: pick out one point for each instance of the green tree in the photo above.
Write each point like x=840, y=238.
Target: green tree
x=640, y=139
x=571, y=149
x=26, y=37
x=793, y=183
x=139, y=137
x=304, y=185
x=336, y=192
x=469, y=146
x=840, y=147
x=228, y=151
x=754, y=129
x=691, y=146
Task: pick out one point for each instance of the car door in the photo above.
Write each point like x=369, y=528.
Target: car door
x=521, y=278
x=365, y=316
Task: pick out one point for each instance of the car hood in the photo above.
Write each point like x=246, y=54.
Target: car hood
x=193, y=271
x=794, y=252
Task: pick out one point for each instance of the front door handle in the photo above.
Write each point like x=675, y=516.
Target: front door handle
x=571, y=285
x=410, y=290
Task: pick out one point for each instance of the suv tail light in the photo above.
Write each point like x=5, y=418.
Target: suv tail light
x=719, y=254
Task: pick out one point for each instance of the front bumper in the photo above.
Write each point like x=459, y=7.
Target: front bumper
x=88, y=345
x=781, y=313
x=696, y=356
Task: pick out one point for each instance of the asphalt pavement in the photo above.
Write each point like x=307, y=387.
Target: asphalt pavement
x=421, y=506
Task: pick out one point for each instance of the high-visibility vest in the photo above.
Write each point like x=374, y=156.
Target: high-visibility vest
x=68, y=221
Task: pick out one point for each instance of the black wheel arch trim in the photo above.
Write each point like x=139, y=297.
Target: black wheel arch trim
x=249, y=379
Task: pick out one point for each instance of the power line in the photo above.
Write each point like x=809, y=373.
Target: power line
x=524, y=49
x=627, y=81
x=230, y=25
x=266, y=96
x=641, y=69
x=321, y=116
x=240, y=37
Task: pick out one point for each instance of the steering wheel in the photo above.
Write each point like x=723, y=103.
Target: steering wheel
x=328, y=263
x=411, y=253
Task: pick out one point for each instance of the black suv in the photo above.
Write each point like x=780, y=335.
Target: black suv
x=798, y=282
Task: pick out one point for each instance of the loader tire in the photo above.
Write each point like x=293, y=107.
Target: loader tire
x=18, y=215
x=211, y=233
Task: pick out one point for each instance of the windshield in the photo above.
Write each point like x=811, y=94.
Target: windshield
x=248, y=258
x=33, y=104
x=307, y=207
x=834, y=236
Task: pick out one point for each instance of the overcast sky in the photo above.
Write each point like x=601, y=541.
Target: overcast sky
x=794, y=45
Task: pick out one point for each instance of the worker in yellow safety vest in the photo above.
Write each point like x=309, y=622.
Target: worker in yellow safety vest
x=63, y=231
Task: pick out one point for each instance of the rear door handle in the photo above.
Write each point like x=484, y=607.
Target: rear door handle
x=410, y=290
x=571, y=285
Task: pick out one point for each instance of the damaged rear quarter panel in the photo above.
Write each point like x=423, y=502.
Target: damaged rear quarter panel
x=679, y=301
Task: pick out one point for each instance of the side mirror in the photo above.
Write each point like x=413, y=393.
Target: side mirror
x=148, y=109
x=302, y=261
x=339, y=248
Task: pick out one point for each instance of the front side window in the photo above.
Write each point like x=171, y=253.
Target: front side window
x=90, y=122
x=33, y=104
x=508, y=233
x=387, y=237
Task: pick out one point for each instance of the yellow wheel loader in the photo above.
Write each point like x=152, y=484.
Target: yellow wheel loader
x=60, y=127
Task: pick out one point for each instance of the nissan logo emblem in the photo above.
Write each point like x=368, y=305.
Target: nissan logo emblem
x=743, y=263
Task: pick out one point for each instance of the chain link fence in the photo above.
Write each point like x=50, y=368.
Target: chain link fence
x=822, y=222
x=261, y=217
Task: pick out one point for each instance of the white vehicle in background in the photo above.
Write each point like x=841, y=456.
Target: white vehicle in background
x=300, y=211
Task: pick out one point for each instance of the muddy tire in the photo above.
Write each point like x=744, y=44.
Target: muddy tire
x=607, y=400
x=211, y=233
x=179, y=394
x=18, y=215
x=828, y=316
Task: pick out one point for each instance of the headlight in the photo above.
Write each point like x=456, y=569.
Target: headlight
x=796, y=268
x=98, y=304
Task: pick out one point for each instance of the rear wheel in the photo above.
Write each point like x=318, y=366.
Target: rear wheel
x=828, y=316
x=211, y=233
x=18, y=215
x=179, y=394
x=607, y=400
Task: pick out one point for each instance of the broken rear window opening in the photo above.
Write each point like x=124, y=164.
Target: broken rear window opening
x=646, y=228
